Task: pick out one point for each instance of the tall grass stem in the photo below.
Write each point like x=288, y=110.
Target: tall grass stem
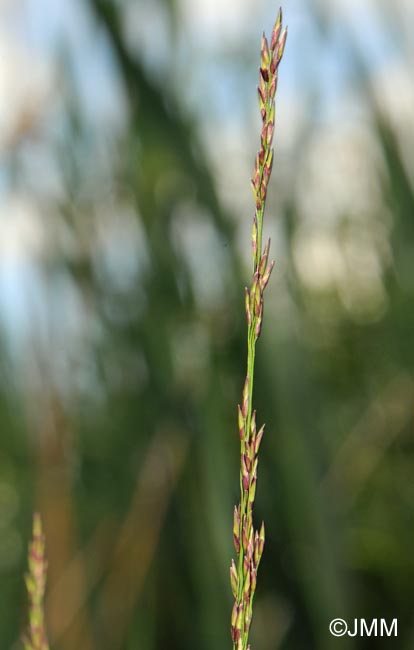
x=249, y=542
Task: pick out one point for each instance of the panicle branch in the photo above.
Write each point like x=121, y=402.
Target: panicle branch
x=36, y=585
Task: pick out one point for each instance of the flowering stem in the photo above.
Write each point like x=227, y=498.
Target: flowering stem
x=247, y=541
x=36, y=584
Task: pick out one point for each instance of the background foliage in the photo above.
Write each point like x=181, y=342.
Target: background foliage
x=128, y=133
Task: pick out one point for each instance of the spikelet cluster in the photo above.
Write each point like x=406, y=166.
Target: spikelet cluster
x=249, y=542
x=36, y=585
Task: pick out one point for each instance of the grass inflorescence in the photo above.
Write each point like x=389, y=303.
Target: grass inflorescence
x=35, y=639
x=249, y=542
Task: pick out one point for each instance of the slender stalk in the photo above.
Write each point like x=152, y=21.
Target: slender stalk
x=249, y=542
x=36, y=584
